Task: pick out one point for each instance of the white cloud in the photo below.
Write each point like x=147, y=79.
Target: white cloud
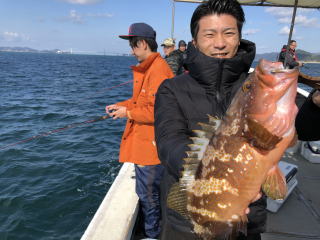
x=286, y=12
x=279, y=11
x=250, y=31
x=285, y=30
x=75, y=17
x=284, y=16
x=100, y=15
x=82, y=2
x=301, y=20
x=299, y=38
x=79, y=18
x=13, y=37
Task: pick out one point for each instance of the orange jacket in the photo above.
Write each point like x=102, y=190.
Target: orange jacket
x=138, y=144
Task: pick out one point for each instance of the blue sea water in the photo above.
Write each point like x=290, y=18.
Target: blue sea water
x=50, y=187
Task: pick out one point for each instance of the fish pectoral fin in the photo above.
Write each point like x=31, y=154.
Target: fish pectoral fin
x=275, y=186
x=260, y=137
x=177, y=199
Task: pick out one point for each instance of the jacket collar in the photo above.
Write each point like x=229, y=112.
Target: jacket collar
x=212, y=73
x=144, y=66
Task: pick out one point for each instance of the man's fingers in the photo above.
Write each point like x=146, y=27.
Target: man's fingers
x=257, y=197
x=247, y=211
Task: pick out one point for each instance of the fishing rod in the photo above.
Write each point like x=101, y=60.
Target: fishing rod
x=73, y=125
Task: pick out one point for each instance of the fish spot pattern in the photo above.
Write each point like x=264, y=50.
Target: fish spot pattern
x=219, y=154
x=213, y=185
x=202, y=211
x=206, y=171
x=233, y=129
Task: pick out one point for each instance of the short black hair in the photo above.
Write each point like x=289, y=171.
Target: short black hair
x=133, y=41
x=292, y=41
x=231, y=7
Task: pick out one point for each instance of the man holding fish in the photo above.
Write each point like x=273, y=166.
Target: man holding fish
x=214, y=170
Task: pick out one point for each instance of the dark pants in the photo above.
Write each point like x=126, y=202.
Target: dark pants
x=148, y=190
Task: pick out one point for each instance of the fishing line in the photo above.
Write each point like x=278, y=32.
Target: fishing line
x=73, y=125
x=109, y=88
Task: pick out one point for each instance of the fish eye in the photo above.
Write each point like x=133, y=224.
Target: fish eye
x=246, y=86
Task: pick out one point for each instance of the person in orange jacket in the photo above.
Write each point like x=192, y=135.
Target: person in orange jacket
x=138, y=142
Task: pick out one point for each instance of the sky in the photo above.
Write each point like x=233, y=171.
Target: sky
x=93, y=26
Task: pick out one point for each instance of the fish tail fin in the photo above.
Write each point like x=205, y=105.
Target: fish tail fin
x=275, y=186
x=177, y=199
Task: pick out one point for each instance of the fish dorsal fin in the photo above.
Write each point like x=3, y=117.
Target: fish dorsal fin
x=211, y=127
x=214, y=120
x=177, y=197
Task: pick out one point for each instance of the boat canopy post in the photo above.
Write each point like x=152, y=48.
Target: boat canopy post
x=172, y=24
x=290, y=33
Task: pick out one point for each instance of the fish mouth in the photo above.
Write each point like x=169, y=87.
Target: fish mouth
x=280, y=74
x=279, y=70
x=274, y=101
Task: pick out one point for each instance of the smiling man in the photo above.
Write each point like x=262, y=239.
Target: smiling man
x=218, y=61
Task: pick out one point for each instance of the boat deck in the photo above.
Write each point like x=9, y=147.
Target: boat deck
x=299, y=217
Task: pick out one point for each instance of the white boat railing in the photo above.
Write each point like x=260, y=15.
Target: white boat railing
x=303, y=92
x=116, y=216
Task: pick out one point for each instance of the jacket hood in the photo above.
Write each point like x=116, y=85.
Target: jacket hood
x=284, y=48
x=144, y=66
x=211, y=72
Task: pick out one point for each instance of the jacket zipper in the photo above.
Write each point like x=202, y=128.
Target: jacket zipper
x=219, y=80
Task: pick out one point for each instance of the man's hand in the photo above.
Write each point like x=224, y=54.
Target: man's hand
x=316, y=98
x=300, y=64
x=116, y=111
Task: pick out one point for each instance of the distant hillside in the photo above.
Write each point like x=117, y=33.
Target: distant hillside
x=307, y=56
x=273, y=56
x=302, y=56
x=27, y=49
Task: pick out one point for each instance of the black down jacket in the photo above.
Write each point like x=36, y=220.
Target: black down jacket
x=180, y=104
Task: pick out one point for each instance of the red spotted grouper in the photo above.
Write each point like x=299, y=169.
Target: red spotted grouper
x=231, y=160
